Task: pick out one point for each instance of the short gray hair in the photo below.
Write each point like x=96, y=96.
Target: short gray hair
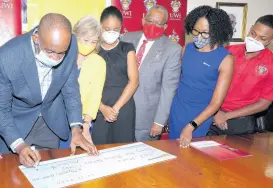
x=87, y=26
x=161, y=8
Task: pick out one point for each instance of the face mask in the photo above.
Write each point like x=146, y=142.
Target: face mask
x=43, y=58
x=110, y=37
x=152, y=32
x=253, y=45
x=85, y=49
x=200, y=42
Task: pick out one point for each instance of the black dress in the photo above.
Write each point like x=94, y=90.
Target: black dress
x=122, y=130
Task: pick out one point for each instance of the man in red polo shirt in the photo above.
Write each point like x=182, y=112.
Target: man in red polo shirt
x=251, y=90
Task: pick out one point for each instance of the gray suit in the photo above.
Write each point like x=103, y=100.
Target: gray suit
x=158, y=80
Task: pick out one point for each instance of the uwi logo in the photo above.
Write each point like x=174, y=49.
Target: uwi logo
x=126, y=6
x=149, y=4
x=6, y=4
x=175, y=15
x=174, y=36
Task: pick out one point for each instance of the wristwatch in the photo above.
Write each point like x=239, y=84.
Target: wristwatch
x=194, y=124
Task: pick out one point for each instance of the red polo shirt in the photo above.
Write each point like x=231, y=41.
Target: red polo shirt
x=252, y=78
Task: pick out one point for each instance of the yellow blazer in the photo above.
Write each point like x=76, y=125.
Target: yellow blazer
x=91, y=81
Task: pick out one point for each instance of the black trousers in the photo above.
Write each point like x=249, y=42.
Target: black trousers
x=236, y=126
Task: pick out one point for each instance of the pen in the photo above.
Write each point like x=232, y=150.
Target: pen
x=37, y=162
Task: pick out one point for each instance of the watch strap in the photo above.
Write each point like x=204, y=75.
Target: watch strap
x=194, y=124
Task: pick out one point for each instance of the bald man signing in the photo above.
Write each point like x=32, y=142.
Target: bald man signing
x=39, y=92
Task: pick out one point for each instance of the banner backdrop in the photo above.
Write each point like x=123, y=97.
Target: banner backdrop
x=134, y=10
x=10, y=20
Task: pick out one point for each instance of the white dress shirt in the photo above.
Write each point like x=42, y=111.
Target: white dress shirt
x=147, y=48
x=45, y=77
x=44, y=73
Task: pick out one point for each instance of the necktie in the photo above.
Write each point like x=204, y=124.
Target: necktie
x=140, y=53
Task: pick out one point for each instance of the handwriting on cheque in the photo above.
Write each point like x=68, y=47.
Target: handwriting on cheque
x=76, y=169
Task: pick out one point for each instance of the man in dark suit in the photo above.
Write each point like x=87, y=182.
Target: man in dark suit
x=39, y=92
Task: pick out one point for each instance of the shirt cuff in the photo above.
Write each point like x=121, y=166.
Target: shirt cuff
x=16, y=143
x=159, y=124
x=76, y=123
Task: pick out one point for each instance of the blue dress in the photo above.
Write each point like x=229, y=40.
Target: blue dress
x=199, y=77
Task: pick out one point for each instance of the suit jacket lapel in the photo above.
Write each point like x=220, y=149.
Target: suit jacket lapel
x=30, y=72
x=154, y=53
x=137, y=39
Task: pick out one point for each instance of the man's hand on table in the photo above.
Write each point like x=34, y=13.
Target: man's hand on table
x=79, y=140
x=27, y=156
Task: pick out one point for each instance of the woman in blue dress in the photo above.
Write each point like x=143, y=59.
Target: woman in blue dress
x=207, y=69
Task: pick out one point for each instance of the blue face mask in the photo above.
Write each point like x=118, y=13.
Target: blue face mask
x=200, y=42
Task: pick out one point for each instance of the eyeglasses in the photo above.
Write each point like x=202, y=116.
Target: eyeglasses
x=205, y=35
x=160, y=24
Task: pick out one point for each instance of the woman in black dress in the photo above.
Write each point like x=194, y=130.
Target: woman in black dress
x=116, y=118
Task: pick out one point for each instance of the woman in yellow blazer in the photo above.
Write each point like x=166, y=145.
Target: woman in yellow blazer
x=92, y=72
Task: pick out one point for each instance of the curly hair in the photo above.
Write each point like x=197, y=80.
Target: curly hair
x=220, y=27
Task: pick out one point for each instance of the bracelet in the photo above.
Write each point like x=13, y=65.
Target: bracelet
x=88, y=123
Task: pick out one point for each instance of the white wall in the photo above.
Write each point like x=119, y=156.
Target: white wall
x=107, y=3
x=256, y=9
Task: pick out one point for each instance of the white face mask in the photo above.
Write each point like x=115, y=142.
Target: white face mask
x=110, y=37
x=253, y=45
x=43, y=58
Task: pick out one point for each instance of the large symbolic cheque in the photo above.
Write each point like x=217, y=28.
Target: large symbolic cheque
x=80, y=168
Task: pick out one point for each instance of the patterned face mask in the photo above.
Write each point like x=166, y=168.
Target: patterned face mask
x=200, y=42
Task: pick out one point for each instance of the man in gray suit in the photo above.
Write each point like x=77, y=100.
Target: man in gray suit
x=159, y=65
x=39, y=92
